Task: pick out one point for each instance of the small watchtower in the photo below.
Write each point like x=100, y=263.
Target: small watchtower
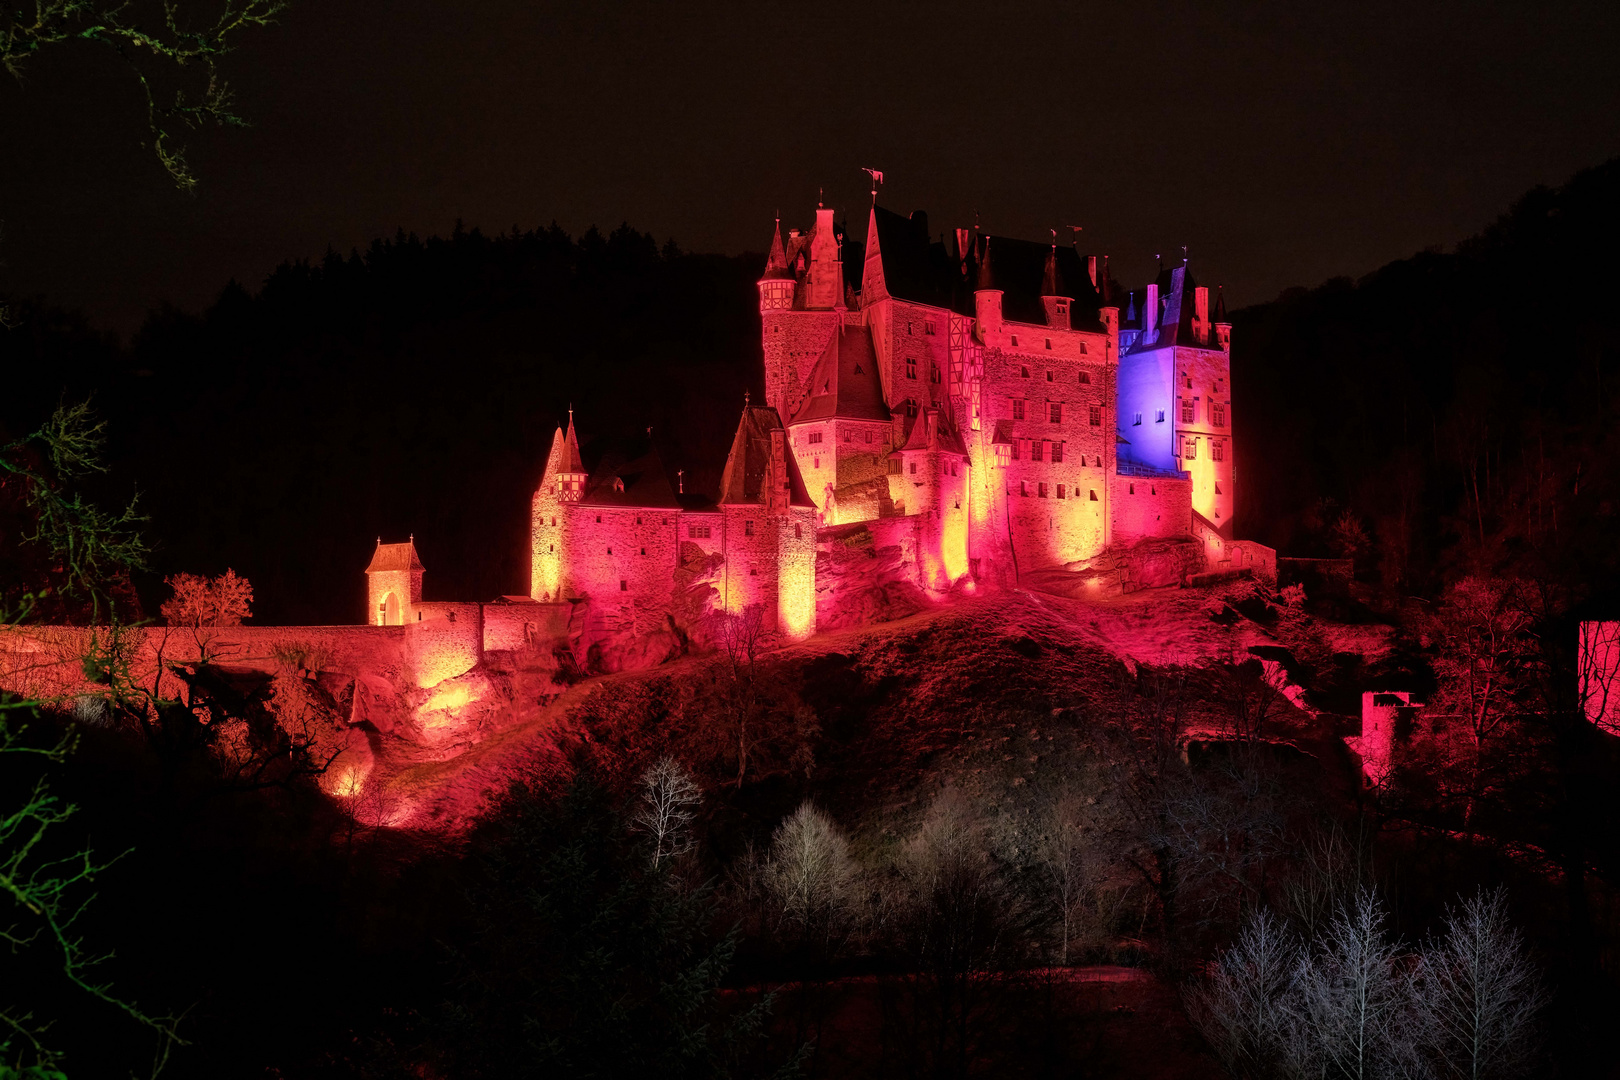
x=393, y=584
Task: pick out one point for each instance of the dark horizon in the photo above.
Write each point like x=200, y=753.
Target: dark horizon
x=1282, y=148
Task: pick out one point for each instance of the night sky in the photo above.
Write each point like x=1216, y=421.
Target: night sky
x=1284, y=144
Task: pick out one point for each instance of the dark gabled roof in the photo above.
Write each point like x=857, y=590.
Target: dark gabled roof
x=917, y=267
x=395, y=557
x=748, y=467
x=629, y=473
x=933, y=430
x=844, y=383
x=1019, y=268
x=1176, y=291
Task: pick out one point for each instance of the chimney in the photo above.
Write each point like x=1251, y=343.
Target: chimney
x=1091, y=267
x=1201, y=315
x=1150, y=314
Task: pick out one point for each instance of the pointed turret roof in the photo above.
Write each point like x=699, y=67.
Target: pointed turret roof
x=752, y=469
x=395, y=557
x=776, y=267
x=571, y=461
x=1220, y=303
x=986, y=277
x=844, y=382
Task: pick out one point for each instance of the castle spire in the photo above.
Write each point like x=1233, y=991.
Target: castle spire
x=1220, y=303
x=777, y=264
x=1052, y=283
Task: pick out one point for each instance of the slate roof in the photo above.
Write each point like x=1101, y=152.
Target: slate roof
x=917, y=267
x=844, y=382
x=630, y=473
x=933, y=430
x=749, y=463
x=1024, y=270
x=395, y=557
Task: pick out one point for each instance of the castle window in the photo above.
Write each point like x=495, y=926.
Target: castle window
x=1015, y=345
x=1048, y=376
x=1062, y=491
x=1055, y=412
x=1042, y=489
x=1217, y=450
x=624, y=586
x=815, y=437
x=1217, y=414
x=1096, y=416
x=913, y=468
x=1218, y=386
x=953, y=468
x=1158, y=417
x=698, y=532
x=933, y=372
x=618, y=483
x=1085, y=376
x=644, y=551
x=1082, y=353
x=1093, y=494
x=1035, y=449
x=551, y=548
x=1048, y=343
x=1153, y=489
x=554, y=521
x=849, y=436
x=1133, y=489
x=748, y=528
x=752, y=572
x=1186, y=380
x=610, y=551
x=1018, y=408
x=798, y=531
x=868, y=435
x=911, y=406
x=1217, y=489
x=1186, y=411
x=1057, y=454
x=817, y=464
x=911, y=368
x=1020, y=449
x=1189, y=449
x=638, y=519
x=1023, y=372
x=1023, y=487
x=1138, y=420
x=599, y=519
x=894, y=466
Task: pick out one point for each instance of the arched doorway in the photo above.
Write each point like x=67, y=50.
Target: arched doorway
x=388, y=613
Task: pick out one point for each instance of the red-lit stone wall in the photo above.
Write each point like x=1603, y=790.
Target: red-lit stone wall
x=1151, y=507
x=623, y=559
x=792, y=342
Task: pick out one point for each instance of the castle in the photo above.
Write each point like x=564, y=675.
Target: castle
x=982, y=402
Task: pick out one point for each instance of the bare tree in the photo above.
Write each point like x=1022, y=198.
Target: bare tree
x=1481, y=994
x=1329, y=869
x=1063, y=856
x=742, y=636
x=201, y=601
x=1352, y=1011
x=669, y=801
x=812, y=877
x=1598, y=672
x=1241, y=1005
x=1482, y=635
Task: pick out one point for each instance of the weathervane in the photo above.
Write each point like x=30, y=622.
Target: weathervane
x=877, y=181
x=1183, y=254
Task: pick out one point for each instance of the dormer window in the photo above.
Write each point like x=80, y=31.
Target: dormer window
x=618, y=483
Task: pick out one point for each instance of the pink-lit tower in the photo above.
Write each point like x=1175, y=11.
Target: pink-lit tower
x=801, y=300
x=769, y=525
x=561, y=487
x=931, y=480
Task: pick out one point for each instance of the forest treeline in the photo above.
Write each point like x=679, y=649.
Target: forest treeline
x=1447, y=414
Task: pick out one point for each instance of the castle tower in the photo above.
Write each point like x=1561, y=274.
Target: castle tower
x=801, y=300
x=932, y=483
x=987, y=298
x=393, y=584
x=769, y=528
x=561, y=487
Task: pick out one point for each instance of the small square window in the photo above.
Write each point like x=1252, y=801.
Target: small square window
x=624, y=586
x=1094, y=494
x=868, y=435
x=1085, y=376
